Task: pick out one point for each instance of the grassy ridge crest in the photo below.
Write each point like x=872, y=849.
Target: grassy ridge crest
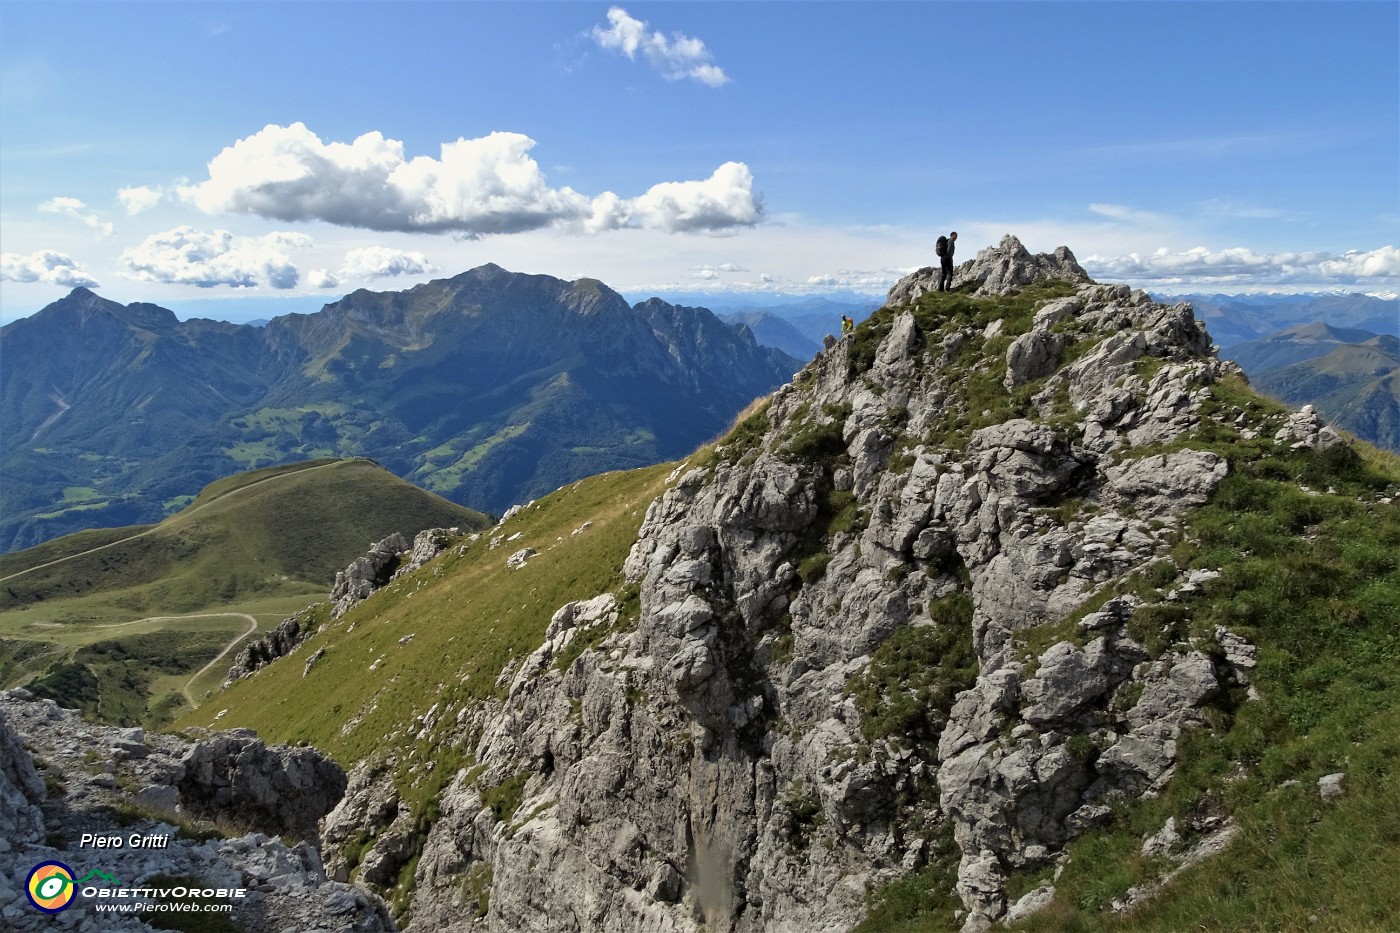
x=116, y=622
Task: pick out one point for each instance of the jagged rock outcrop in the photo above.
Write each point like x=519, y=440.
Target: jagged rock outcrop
x=261, y=652
x=124, y=786
x=427, y=544
x=730, y=759
x=366, y=574
x=387, y=559
x=995, y=270
x=21, y=792
x=1305, y=429
x=371, y=804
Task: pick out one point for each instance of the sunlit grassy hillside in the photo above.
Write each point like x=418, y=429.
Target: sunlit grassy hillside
x=269, y=532
x=116, y=622
x=443, y=634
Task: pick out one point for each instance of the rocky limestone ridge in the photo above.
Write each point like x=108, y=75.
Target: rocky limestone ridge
x=61, y=777
x=232, y=775
x=996, y=270
x=732, y=759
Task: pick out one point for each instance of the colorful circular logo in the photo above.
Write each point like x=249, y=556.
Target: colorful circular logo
x=50, y=886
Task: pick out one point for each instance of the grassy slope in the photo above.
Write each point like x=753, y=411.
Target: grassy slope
x=66, y=546
x=468, y=616
x=266, y=533
x=261, y=544
x=1310, y=563
x=437, y=640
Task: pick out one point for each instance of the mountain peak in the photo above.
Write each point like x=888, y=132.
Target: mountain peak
x=85, y=304
x=996, y=270
x=590, y=296
x=82, y=298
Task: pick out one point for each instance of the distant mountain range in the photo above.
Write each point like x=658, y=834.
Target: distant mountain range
x=773, y=331
x=798, y=327
x=488, y=388
x=1234, y=319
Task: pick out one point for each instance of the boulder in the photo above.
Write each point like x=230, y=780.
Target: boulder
x=1305, y=429
x=278, y=790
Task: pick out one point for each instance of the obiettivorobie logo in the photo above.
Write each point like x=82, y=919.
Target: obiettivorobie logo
x=51, y=888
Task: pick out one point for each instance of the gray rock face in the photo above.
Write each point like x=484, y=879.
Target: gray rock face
x=385, y=561
x=713, y=761
x=366, y=574
x=370, y=805
x=282, y=789
x=95, y=777
x=1165, y=484
x=21, y=791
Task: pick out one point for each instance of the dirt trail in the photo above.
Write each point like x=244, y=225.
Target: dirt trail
x=252, y=627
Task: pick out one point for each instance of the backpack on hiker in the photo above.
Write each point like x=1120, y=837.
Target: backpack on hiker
x=940, y=248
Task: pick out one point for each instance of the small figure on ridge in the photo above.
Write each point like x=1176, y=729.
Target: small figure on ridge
x=944, y=249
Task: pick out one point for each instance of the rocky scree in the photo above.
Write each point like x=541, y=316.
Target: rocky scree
x=237, y=814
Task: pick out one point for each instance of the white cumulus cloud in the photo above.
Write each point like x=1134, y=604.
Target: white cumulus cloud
x=722, y=267
x=186, y=256
x=1359, y=265
x=476, y=187
x=47, y=266
x=139, y=198
x=72, y=207
x=675, y=58
x=378, y=262
x=723, y=200
x=1242, y=266
x=322, y=278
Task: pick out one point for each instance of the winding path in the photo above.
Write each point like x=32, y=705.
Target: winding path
x=252, y=627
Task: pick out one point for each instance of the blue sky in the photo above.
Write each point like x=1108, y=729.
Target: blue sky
x=178, y=151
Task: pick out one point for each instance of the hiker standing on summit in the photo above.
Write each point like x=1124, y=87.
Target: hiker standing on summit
x=944, y=249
